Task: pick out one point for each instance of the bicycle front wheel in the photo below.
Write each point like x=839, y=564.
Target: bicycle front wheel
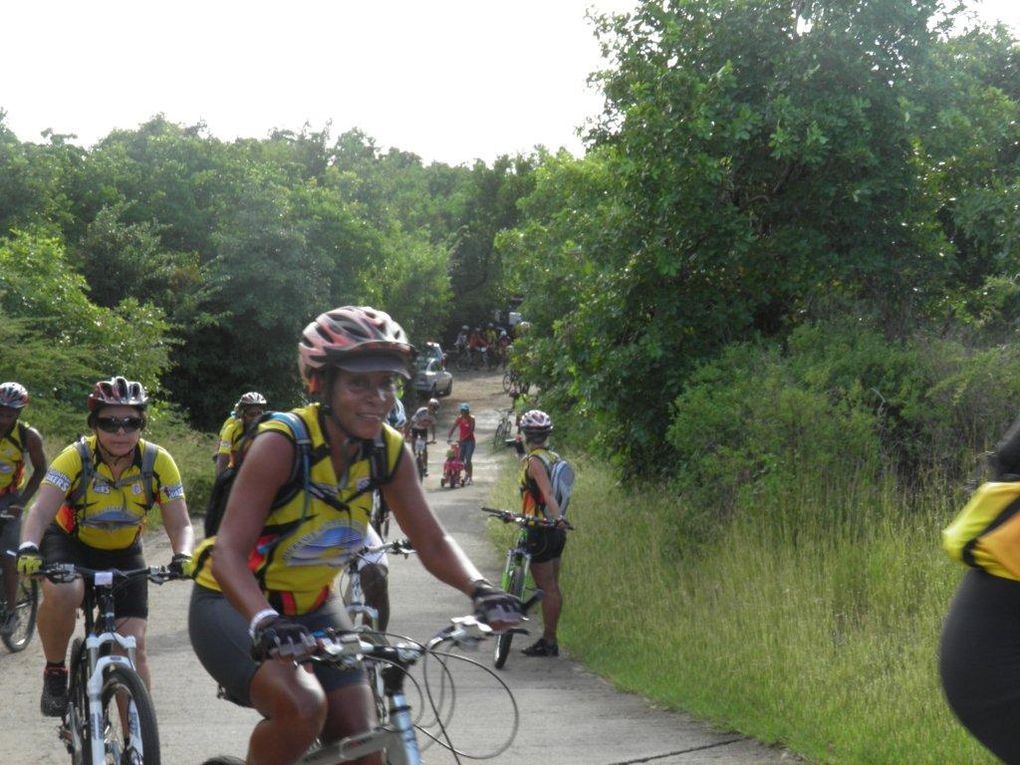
x=508, y=381
x=25, y=607
x=75, y=729
x=515, y=587
x=129, y=719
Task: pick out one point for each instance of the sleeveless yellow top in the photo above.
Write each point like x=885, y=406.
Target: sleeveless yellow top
x=305, y=540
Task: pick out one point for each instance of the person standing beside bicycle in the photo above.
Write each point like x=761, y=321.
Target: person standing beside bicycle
x=18, y=440
x=465, y=425
x=89, y=511
x=263, y=584
x=545, y=544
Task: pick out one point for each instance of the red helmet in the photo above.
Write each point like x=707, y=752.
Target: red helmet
x=357, y=339
x=13, y=395
x=118, y=391
x=536, y=423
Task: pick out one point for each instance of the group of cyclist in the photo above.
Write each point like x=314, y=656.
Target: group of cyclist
x=489, y=345
x=262, y=583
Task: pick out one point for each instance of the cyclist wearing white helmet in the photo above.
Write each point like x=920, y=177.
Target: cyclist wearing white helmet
x=17, y=438
x=546, y=545
x=247, y=411
x=465, y=424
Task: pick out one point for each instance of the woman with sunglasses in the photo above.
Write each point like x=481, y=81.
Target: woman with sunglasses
x=262, y=585
x=99, y=524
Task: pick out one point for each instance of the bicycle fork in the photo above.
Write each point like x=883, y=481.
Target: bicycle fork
x=94, y=693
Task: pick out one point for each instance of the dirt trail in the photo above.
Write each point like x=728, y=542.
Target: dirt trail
x=568, y=716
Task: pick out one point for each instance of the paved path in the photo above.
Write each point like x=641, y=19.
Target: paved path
x=568, y=716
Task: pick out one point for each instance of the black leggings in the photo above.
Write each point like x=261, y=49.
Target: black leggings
x=980, y=661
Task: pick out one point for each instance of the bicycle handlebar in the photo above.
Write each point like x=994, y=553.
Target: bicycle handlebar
x=525, y=520
x=68, y=572
x=399, y=547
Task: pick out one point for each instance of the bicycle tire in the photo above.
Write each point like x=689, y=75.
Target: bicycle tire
x=508, y=381
x=224, y=760
x=515, y=587
x=125, y=683
x=27, y=605
x=76, y=719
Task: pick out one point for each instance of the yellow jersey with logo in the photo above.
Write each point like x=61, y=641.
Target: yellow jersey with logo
x=306, y=538
x=110, y=514
x=13, y=448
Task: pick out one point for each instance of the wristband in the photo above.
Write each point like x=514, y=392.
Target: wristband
x=23, y=545
x=261, y=616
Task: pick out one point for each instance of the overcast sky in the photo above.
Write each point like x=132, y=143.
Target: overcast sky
x=450, y=80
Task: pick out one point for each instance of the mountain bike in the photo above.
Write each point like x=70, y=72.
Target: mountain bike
x=366, y=618
x=25, y=607
x=503, y=429
x=110, y=717
x=515, y=572
x=421, y=456
x=398, y=737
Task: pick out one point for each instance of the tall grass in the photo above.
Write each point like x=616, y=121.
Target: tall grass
x=812, y=620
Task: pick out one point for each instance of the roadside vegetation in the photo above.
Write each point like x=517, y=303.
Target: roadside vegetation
x=774, y=312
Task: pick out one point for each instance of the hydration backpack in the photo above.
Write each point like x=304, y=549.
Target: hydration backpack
x=561, y=476
x=300, y=472
x=73, y=503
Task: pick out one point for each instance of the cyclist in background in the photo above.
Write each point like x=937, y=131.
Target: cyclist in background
x=247, y=411
x=267, y=587
x=545, y=544
x=18, y=440
x=99, y=525
x=461, y=343
x=465, y=426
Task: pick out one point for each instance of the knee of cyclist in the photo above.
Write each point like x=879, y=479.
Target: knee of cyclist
x=303, y=711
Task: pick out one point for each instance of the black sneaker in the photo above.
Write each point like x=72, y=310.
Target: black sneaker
x=54, y=693
x=541, y=648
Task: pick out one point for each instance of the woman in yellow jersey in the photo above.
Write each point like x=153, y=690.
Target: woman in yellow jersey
x=92, y=514
x=263, y=584
x=979, y=657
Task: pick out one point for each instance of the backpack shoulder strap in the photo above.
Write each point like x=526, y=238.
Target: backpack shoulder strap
x=85, y=477
x=148, y=461
x=302, y=458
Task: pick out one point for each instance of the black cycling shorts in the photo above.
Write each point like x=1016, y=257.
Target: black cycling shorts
x=130, y=596
x=219, y=635
x=546, y=544
x=979, y=660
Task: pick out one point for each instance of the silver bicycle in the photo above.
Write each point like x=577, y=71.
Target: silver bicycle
x=398, y=736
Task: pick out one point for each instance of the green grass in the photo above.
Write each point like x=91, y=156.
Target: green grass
x=815, y=626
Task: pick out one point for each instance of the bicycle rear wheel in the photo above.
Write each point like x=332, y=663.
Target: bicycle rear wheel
x=129, y=719
x=26, y=606
x=515, y=587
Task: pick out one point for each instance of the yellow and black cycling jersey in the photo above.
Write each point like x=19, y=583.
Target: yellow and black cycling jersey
x=532, y=501
x=13, y=448
x=308, y=535
x=230, y=438
x=109, y=514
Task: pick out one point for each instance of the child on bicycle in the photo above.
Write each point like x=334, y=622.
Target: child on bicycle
x=465, y=427
x=423, y=420
x=263, y=584
x=453, y=468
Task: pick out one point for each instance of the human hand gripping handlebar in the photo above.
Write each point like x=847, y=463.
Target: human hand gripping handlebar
x=529, y=521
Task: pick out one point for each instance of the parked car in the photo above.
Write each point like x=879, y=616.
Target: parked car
x=431, y=379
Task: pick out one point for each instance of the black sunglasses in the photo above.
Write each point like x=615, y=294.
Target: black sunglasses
x=113, y=424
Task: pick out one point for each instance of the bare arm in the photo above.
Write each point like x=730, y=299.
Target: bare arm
x=42, y=512
x=264, y=470
x=222, y=460
x=178, y=526
x=536, y=471
x=438, y=551
x=39, y=465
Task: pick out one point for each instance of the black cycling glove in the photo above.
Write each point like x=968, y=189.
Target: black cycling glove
x=281, y=639
x=492, y=605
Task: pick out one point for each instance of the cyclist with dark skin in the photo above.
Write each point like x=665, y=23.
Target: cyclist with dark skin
x=263, y=584
x=17, y=439
x=100, y=527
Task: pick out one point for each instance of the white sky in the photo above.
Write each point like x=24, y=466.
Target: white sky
x=450, y=80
